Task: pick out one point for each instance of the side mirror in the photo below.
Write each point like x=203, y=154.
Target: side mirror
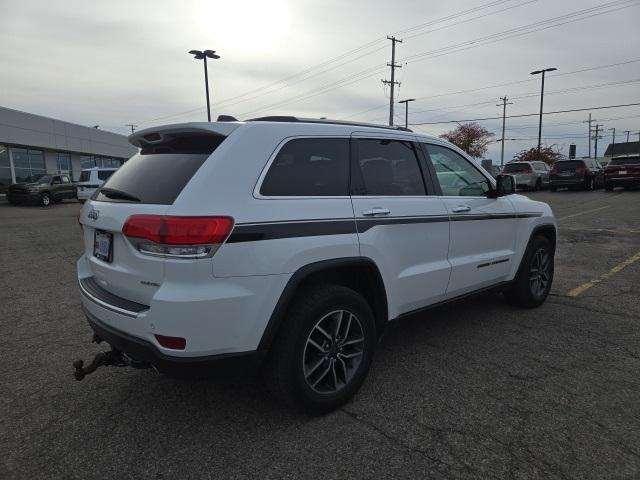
x=505, y=185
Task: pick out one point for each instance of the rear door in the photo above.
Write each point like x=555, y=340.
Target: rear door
x=148, y=183
x=483, y=230
x=400, y=226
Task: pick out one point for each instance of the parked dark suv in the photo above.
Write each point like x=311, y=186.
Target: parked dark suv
x=622, y=172
x=43, y=189
x=586, y=174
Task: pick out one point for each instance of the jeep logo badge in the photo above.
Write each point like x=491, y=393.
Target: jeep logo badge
x=93, y=214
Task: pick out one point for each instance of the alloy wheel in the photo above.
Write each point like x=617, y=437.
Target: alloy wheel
x=539, y=273
x=333, y=352
x=46, y=200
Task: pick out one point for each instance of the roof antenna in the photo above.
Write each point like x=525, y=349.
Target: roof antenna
x=226, y=118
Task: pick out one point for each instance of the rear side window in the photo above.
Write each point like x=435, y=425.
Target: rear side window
x=159, y=172
x=105, y=174
x=389, y=168
x=84, y=176
x=309, y=167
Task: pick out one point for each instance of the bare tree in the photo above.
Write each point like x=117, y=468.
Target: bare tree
x=470, y=137
x=546, y=154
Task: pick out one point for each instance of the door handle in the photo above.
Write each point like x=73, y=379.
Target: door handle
x=461, y=209
x=376, y=211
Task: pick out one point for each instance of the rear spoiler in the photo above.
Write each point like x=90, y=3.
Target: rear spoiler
x=162, y=134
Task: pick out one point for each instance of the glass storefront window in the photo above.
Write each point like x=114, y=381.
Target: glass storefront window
x=63, y=160
x=27, y=163
x=5, y=169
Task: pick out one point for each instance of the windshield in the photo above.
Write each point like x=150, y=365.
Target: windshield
x=159, y=172
x=516, y=167
x=41, y=178
x=568, y=165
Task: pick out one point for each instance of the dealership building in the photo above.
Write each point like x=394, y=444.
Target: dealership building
x=31, y=144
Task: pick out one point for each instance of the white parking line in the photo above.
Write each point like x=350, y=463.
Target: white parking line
x=584, y=213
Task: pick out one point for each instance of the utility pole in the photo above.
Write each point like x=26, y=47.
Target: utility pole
x=133, y=126
x=627, y=132
x=392, y=82
x=589, y=136
x=613, y=144
x=504, y=116
x=597, y=128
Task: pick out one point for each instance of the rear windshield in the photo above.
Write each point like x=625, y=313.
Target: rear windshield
x=516, y=167
x=85, y=175
x=568, y=165
x=625, y=161
x=159, y=172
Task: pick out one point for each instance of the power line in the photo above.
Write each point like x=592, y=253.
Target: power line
x=529, y=114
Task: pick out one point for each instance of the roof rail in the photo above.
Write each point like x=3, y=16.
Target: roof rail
x=285, y=118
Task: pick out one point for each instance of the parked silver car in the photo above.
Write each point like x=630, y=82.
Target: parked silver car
x=529, y=175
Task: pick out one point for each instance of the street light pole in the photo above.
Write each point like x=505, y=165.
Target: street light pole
x=613, y=144
x=543, y=71
x=203, y=55
x=406, y=110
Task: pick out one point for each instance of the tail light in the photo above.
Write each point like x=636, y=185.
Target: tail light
x=177, y=237
x=582, y=170
x=553, y=170
x=526, y=171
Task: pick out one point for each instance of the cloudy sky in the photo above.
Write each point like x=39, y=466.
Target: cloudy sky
x=117, y=62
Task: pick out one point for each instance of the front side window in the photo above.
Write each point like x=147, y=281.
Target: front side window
x=104, y=174
x=389, y=168
x=309, y=167
x=457, y=176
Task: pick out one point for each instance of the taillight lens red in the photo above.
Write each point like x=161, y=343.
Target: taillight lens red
x=168, y=230
x=553, y=170
x=177, y=237
x=526, y=171
x=581, y=170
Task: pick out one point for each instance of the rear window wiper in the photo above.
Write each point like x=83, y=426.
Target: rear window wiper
x=118, y=194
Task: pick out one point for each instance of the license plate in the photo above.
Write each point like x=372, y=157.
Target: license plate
x=103, y=246
x=622, y=172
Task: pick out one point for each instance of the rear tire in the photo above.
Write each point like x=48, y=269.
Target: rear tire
x=12, y=202
x=608, y=188
x=324, y=349
x=535, y=275
x=538, y=185
x=553, y=189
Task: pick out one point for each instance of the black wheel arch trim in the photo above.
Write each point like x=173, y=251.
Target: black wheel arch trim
x=303, y=273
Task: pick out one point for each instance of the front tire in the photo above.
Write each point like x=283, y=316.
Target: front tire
x=324, y=349
x=45, y=199
x=535, y=275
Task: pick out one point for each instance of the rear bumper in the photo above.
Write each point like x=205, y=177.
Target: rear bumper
x=176, y=367
x=566, y=182
x=622, y=181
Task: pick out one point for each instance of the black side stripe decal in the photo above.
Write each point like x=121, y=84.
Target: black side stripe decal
x=493, y=263
x=272, y=231
x=254, y=232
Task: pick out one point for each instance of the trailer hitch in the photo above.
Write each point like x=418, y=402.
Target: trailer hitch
x=113, y=358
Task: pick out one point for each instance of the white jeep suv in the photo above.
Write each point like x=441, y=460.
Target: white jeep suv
x=288, y=244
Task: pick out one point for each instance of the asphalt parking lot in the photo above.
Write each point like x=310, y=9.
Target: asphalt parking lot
x=476, y=390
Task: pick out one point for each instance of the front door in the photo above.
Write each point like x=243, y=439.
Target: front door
x=400, y=226
x=483, y=230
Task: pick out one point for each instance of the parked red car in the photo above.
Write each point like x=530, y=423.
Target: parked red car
x=622, y=172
